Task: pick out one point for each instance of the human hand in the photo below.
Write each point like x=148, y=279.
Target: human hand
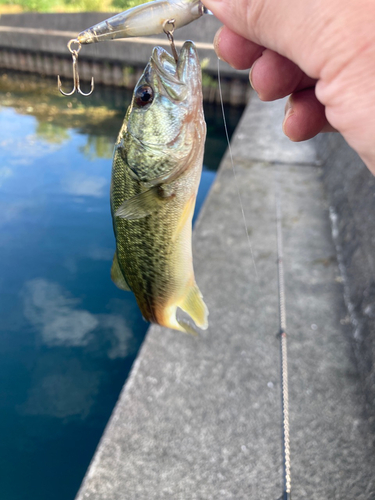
x=320, y=52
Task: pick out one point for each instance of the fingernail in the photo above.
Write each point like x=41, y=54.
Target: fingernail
x=288, y=113
x=251, y=75
x=217, y=43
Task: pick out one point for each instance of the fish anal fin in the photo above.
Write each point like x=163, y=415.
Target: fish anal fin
x=117, y=276
x=142, y=204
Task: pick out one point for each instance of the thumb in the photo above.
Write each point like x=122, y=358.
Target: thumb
x=308, y=32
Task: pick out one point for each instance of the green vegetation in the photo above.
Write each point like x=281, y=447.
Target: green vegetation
x=126, y=4
x=67, y=5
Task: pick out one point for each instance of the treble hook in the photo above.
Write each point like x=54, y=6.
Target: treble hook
x=76, y=87
x=169, y=34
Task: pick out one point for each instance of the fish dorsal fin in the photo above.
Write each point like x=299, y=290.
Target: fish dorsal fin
x=143, y=204
x=195, y=307
x=117, y=276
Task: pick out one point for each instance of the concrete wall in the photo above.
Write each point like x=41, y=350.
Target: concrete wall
x=37, y=43
x=49, y=40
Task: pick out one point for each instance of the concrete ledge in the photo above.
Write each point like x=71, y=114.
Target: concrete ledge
x=351, y=191
x=199, y=418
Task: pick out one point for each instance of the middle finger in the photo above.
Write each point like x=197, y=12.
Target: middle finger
x=273, y=76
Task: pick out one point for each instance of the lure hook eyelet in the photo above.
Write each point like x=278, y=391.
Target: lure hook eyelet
x=169, y=34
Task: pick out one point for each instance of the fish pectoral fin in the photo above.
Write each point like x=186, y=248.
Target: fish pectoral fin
x=142, y=205
x=195, y=307
x=117, y=276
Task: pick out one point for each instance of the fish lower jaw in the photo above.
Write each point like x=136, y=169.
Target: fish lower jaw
x=168, y=319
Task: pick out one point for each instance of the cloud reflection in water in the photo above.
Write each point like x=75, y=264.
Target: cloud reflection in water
x=61, y=391
x=66, y=387
x=80, y=184
x=48, y=307
x=59, y=321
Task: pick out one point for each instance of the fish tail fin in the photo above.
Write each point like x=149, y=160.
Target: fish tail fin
x=193, y=305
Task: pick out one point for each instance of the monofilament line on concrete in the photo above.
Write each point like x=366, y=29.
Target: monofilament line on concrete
x=283, y=351
x=282, y=311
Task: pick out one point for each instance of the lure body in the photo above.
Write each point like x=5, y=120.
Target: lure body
x=156, y=172
x=143, y=20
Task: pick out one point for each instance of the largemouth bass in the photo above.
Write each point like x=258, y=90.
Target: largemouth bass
x=156, y=171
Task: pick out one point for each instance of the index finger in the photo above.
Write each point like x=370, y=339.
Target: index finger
x=235, y=49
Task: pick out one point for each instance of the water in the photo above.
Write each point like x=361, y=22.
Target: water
x=68, y=336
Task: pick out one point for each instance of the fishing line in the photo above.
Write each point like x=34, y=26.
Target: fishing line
x=282, y=312
x=234, y=170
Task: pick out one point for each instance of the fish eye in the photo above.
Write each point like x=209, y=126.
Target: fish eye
x=143, y=95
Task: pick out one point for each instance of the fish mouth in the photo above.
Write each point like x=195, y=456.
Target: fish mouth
x=164, y=65
x=176, y=77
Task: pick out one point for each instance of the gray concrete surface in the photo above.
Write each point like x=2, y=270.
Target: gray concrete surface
x=351, y=190
x=199, y=418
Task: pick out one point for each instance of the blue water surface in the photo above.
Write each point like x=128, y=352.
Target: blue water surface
x=68, y=336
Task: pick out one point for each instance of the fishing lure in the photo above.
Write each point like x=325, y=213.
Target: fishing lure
x=147, y=19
